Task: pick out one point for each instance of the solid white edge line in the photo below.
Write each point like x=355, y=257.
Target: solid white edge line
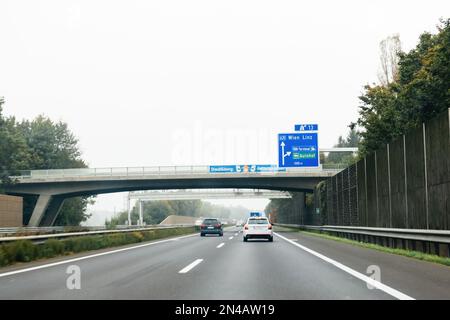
x=391, y=291
x=221, y=245
x=10, y=273
x=190, y=266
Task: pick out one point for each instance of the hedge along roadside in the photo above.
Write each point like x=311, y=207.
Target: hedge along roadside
x=25, y=250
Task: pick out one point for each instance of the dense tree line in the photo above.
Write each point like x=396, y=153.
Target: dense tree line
x=418, y=91
x=156, y=211
x=279, y=208
x=40, y=144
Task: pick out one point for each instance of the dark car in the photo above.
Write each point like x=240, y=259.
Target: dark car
x=211, y=226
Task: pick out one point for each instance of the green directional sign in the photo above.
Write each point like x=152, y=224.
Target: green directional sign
x=304, y=155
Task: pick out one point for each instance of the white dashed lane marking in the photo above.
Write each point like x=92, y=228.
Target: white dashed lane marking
x=190, y=266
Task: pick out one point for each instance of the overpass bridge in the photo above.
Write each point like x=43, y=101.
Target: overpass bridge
x=52, y=187
x=195, y=194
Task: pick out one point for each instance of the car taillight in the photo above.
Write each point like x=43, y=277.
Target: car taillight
x=246, y=227
x=270, y=227
x=202, y=226
x=217, y=226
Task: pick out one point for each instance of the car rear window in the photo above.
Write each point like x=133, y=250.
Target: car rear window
x=210, y=221
x=258, y=221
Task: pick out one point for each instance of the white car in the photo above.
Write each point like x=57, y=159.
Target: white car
x=257, y=228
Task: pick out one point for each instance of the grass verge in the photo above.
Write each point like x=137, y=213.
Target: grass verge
x=407, y=253
x=25, y=250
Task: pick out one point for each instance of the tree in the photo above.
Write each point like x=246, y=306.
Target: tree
x=14, y=155
x=390, y=48
x=351, y=141
x=156, y=211
x=279, y=209
x=380, y=117
x=186, y=207
x=420, y=91
x=322, y=194
x=73, y=211
x=52, y=145
x=40, y=144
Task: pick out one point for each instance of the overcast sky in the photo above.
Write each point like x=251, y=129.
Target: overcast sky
x=196, y=82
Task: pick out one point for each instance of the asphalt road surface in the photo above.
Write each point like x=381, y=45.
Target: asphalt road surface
x=294, y=266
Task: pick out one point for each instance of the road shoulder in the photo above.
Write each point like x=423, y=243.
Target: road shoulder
x=419, y=279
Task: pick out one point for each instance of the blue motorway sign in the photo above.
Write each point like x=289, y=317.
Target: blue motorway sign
x=306, y=127
x=222, y=169
x=298, y=150
x=244, y=168
x=264, y=168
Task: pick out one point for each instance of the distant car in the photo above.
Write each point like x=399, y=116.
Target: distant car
x=257, y=228
x=211, y=226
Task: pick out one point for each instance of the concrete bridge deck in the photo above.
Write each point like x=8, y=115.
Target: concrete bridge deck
x=53, y=186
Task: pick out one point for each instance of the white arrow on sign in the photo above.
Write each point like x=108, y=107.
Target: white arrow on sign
x=284, y=155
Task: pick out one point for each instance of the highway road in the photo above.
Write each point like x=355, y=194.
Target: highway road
x=294, y=266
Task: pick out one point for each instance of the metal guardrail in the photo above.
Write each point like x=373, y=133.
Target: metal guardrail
x=15, y=230
x=43, y=237
x=12, y=230
x=439, y=236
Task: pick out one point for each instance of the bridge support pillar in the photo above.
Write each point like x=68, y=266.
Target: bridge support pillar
x=141, y=219
x=39, y=210
x=45, y=211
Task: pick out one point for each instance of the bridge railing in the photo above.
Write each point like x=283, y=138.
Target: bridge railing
x=153, y=170
x=112, y=171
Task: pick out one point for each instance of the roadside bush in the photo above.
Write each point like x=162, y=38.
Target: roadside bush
x=3, y=259
x=149, y=235
x=137, y=236
x=52, y=248
x=79, y=244
x=69, y=245
x=116, y=239
x=21, y=251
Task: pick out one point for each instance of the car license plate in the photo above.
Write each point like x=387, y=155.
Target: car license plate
x=210, y=227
